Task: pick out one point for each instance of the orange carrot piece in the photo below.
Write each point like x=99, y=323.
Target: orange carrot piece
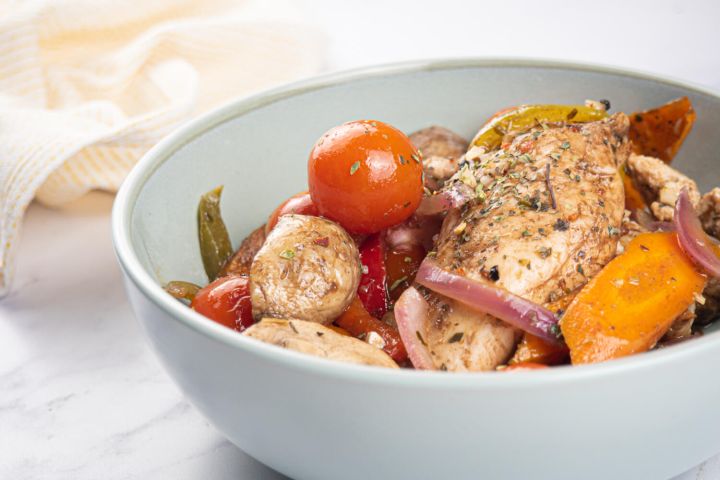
x=661, y=131
x=633, y=301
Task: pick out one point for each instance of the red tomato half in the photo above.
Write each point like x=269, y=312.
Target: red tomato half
x=226, y=301
x=365, y=175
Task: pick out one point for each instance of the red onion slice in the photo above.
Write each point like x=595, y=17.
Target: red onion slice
x=455, y=196
x=693, y=239
x=411, y=316
x=488, y=298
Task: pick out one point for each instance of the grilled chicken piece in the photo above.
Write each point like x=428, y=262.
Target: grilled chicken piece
x=317, y=340
x=549, y=219
x=710, y=212
x=240, y=262
x=660, y=184
x=308, y=268
x=441, y=150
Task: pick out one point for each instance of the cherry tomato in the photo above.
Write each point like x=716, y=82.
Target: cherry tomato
x=226, y=301
x=365, y=175
x=372, y=290
x=402, y=264
x=360, y=323
x=300, y=203
x=524, y=366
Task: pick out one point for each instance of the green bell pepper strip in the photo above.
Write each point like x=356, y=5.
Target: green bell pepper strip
x=215, y=246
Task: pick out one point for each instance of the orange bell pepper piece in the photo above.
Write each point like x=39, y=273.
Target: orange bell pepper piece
x=633, y=301
x=661, y=131
x=532, y=349
x=633, y=198
x=359, y=323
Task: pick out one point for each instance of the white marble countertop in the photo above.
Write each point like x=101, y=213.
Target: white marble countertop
x=81, y=395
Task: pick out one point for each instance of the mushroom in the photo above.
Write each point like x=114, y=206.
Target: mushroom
x=318, y=340
x=308, y=268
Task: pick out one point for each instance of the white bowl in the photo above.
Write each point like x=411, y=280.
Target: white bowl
x=649, y=416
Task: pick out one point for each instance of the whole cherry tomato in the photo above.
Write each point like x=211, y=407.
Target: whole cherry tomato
x=300, y=203
x=372, y=290
x=402, y=263
x=360, y=323
x=226, y=301
x=365, y=175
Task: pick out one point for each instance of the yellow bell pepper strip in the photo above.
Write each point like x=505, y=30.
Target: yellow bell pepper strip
x=525, y=117
x=633, y=301
x=661, y=131
x=182, y=290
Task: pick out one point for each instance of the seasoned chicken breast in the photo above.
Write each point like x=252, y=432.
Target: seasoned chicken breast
x=547, y=218
x=660, y=185
x=308, y=268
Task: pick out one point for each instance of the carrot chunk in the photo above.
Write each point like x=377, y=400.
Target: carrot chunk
x=633, y=301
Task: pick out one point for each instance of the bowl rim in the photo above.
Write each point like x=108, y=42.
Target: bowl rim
x=128, y=194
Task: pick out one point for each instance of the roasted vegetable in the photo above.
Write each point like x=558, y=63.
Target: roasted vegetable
x=308, y=268
x=360, y=323
x=182, y=290
x=372, y=290
x=633, y=198
x=525, y=117
x=402, y=264
x=536, y=350
x=661, y=131
x=239, y=263
x=215, y=247
x=633, y=301
x=300, y=203
x=365, y=175
x=226, y=301
x=318, y=340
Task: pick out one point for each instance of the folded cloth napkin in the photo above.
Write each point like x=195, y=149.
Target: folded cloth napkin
x=87, y=86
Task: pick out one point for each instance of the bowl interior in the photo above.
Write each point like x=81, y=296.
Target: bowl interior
x=258, y=148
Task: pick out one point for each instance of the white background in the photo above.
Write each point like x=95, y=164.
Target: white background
x=82, y=397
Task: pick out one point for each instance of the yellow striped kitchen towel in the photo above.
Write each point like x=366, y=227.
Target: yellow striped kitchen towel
x=87, y=86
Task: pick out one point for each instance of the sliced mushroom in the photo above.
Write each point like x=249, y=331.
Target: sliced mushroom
x=308, y=268
x=318, y=340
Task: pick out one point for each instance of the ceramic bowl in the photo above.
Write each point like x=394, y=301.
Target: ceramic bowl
x=650, y=416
